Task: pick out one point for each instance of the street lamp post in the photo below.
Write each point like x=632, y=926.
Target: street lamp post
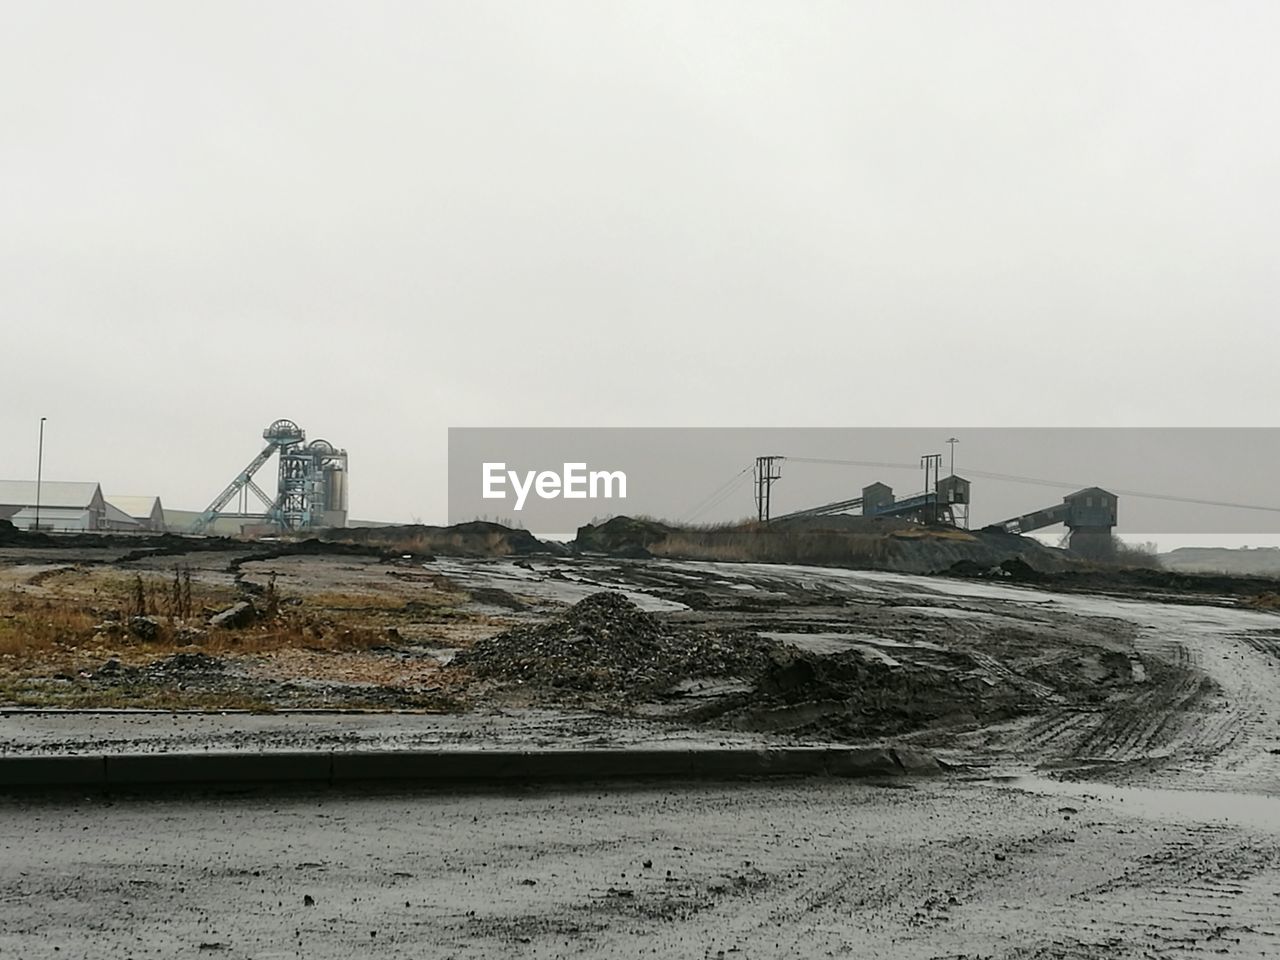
x=39, y=472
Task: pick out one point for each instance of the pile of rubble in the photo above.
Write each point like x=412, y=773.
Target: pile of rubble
x=606, y=644
x=845, y=696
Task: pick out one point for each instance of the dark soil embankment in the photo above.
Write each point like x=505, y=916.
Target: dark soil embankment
x=846, y=696
x=1166, y=585
x=622, y=537
x=872, y=544
x=11, y=536
x=160, y=544
x=478, y=538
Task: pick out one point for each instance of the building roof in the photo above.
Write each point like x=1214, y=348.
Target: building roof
x=115, y=515
x=53, y=493
x=1090, y=491
x=140, y=508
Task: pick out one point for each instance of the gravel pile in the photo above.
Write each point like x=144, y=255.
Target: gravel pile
x=605, y=643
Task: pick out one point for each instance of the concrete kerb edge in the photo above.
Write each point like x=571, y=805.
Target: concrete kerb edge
x=345, y=768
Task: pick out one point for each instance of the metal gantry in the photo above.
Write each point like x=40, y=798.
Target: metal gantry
x=311, y=488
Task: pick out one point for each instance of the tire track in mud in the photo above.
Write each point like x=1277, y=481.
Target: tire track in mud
x=1202, y=712
x=1227, y=730
x=1210, y=890
x=1155, y=721
x=1209, y=893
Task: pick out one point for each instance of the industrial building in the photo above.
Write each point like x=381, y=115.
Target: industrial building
x=147, y=513
x=77, y=507
x=1089, y=515
x=311, y=487
x=63, y=506
x=947, y=503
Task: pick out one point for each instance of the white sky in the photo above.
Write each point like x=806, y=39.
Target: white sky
x=382, y=220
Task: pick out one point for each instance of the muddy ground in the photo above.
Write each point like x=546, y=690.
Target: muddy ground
x=937, y=869
x=972, y=668
x=1114, y=769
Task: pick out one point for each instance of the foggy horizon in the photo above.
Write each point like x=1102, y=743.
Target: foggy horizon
x=382, y=222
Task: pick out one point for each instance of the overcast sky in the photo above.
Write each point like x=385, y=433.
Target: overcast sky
x=382, y=220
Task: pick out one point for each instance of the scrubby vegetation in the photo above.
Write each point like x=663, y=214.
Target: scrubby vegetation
x=88, y=637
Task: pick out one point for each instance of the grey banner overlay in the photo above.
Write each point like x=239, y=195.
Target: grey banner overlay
x=1218, y=480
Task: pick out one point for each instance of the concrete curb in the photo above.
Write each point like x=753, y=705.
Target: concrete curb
x=433, y=767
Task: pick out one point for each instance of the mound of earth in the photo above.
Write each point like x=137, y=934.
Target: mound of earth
x=12, y=536
x=874, y=543
x=845, y=696
x=478, y=538
x=606, y=644
x=621, y=537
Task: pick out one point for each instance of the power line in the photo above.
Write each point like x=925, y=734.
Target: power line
x=857, y=463
x=717, y=495
x=1138, y=494
x=731, y=490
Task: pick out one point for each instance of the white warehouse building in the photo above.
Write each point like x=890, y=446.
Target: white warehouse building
x=63, y=506
x=147, y=513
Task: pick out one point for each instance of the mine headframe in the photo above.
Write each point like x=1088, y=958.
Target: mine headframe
x=311, y=484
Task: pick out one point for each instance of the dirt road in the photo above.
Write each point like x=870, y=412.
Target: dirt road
x=767, y=870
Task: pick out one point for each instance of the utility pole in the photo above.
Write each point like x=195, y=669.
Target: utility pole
x=952, y=444
x=768, y=469
x=39, y=471
x=931, y=461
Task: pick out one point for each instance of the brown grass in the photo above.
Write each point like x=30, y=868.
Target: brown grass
x=27, y=625
x=58, y=628
x=78, y=618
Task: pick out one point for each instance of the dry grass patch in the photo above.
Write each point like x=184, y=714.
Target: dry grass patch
x=66, y=637
x=28, y=625
x=356, y=602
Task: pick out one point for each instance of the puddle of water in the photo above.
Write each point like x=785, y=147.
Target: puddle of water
x=828, y=643
x=568, y=590
x=837, y=642
x=1253, y=810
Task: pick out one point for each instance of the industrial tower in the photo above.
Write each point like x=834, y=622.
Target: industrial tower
x=311, y=489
